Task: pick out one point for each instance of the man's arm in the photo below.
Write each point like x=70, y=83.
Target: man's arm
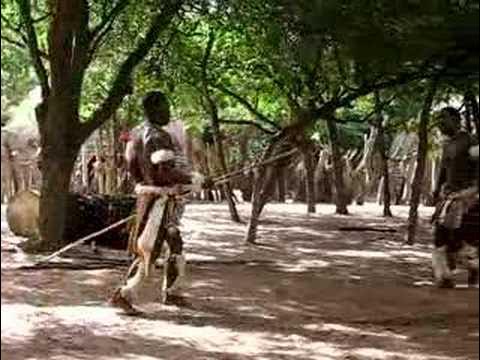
x=163, y=171
x=442, y=177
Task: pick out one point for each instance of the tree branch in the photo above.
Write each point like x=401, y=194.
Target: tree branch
x=327, y=109
x=22, y=46
x=42, y=18
x=265, y=70
x=212, y=107
x=99, y=32
x=122, y=83
x=247, y=122
x=14, y=42
x=81, y=48
x=9, y=25
x=247, y=105
x=24, y=7
x=401, y=79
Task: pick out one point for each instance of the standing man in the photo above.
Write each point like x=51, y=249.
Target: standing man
x=154, y=158
x=456, y=195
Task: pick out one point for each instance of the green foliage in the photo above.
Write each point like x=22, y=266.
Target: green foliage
x=17, y=76
x=278, y=56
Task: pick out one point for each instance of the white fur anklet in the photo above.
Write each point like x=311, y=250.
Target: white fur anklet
x=180, y=282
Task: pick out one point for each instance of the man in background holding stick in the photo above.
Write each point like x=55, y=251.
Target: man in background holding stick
x=456, y=217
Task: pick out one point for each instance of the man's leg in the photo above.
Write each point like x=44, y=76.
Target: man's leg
x=174, y=268
x=442, y=259
x=124, y=295
x=469, y=254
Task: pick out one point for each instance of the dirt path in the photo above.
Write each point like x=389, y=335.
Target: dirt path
x=310, y=291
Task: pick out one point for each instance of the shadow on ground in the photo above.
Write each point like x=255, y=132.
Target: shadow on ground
x=310, y=291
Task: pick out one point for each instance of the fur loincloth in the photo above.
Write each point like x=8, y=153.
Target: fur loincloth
x=162, y=213
x=451, y=211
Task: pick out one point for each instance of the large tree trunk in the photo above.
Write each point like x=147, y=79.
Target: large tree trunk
x=56, y=173
x=338, y=168
x=71, y=43
x=418, y=181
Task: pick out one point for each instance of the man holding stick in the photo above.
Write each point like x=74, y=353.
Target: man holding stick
x=155, y=160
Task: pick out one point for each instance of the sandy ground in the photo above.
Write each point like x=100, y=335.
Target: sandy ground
x=309, y=291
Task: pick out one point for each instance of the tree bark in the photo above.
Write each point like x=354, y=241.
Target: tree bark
x=220, y=152
x=260, y=195
x=380, y=191
x=259, y=199
x=84, y=160
x=410, y=167
x=338, y=168
x=56, y=171
x=418, y=181
x=474, y=108
x=281, y=185
x=310, y=180
x=387, y=212
x=247, y=181
x=14, y=179
x=228, y=192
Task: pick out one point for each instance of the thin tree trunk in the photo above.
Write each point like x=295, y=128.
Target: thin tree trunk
x=380, y=191
x=309, y=180
x=260, y=195
x=474, y=108
x=13, y=171
x=468, y=116
x=227, y=187
x=84, y=159
x=116, y=149
x=110, y=174
x=421, y=164
x=433, y=178
x=213, y=109
x=387, y=212
x=409, y=176
x=281, y=185
x=246, y=182
x=341, y=203
x=209, y=193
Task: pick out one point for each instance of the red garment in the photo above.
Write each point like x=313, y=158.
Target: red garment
x=125, y=136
